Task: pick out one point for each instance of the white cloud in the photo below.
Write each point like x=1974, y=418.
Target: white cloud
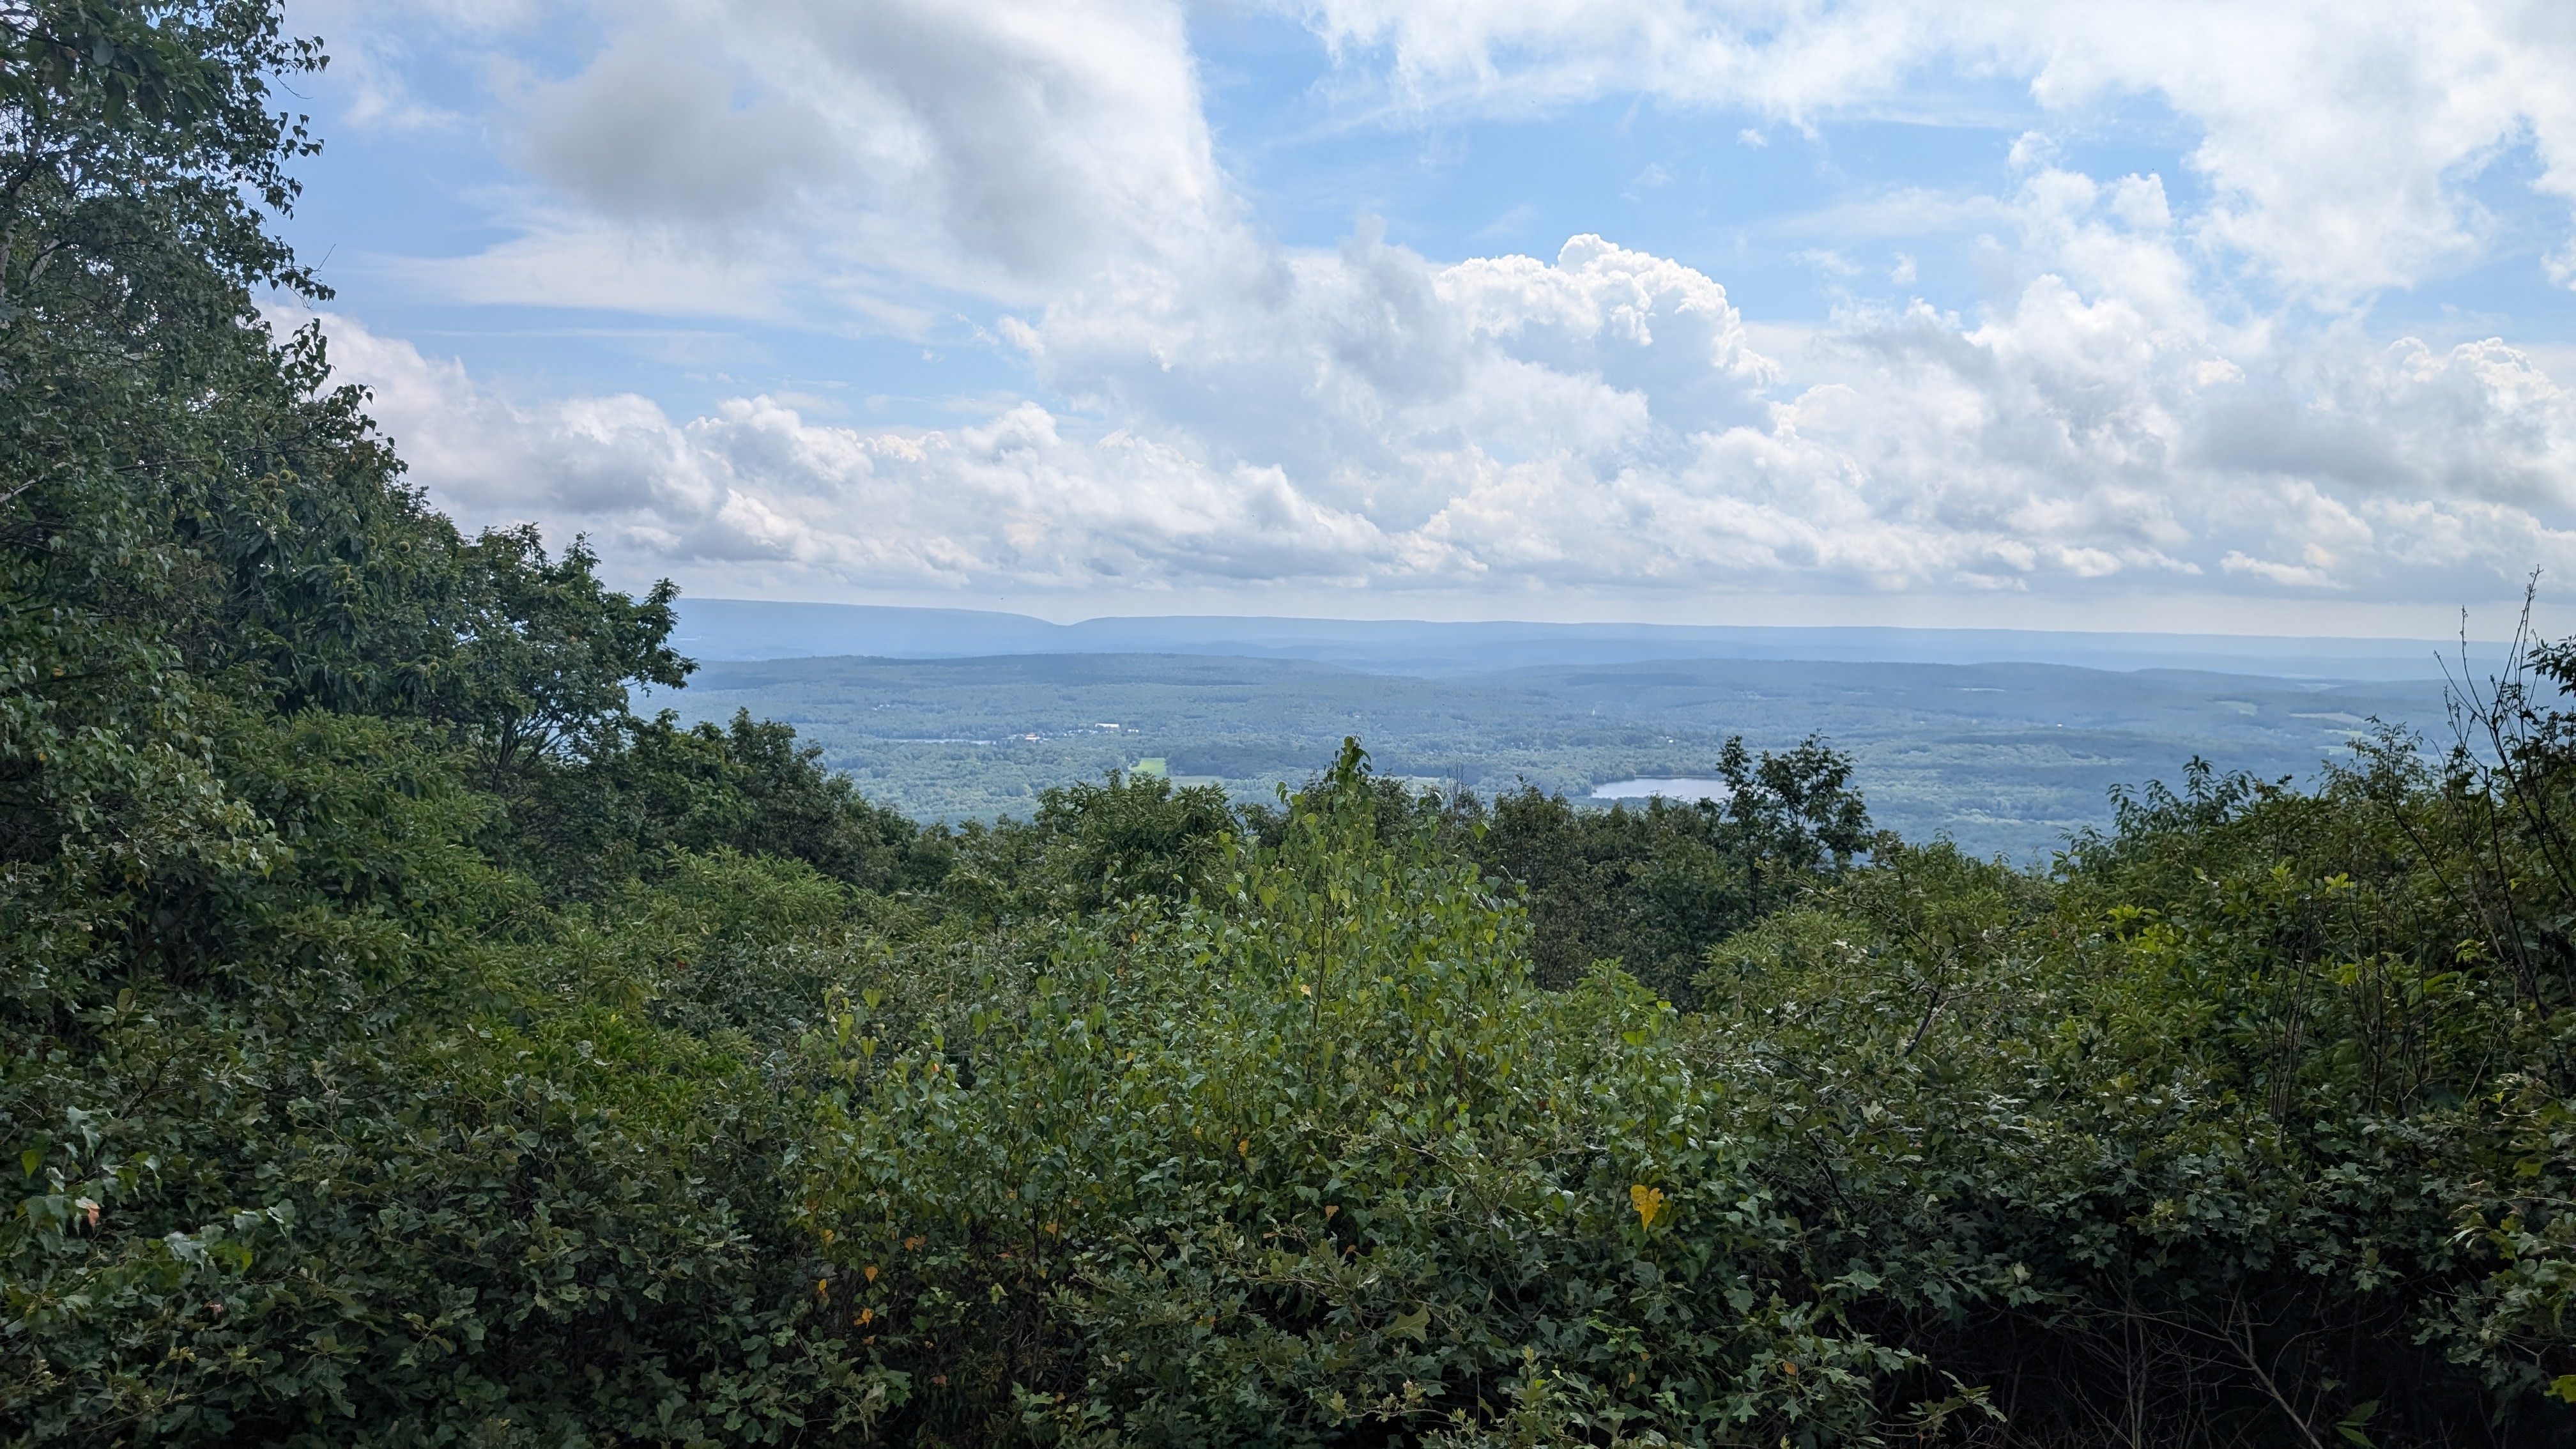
x=1015, y=148
x=1012, y=498
x=373, y=44
x=1366, y=418
x=2289, y=575
x=573, y=260
x=1237, y=412
x=2333, y=131
x=1012, y=147
x=1002, y=149
x=1372, y=374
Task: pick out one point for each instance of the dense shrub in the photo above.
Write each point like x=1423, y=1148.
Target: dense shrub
x=1315, y=1159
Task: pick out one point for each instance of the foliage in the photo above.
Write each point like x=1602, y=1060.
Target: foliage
x=2179, y=1143
x=403, y=1042
x=1310, y=1160
x=548, y=658
x=1654, y=889
x=645, y=788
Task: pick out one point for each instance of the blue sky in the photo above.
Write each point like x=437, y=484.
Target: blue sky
x=2152, y=317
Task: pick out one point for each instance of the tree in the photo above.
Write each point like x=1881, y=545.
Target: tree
x=549, y=652
x=139, y=394
x=1795, y=815
x=1655, y=888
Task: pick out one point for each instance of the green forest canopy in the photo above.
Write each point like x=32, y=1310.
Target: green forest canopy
x=403, y=1042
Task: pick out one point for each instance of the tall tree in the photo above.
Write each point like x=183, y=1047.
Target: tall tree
x=138, y=154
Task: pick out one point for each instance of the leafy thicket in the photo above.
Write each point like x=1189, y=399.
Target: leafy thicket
x=1653, y=888
x=403, y=1040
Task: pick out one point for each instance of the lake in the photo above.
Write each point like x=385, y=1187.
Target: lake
x=1682, y=789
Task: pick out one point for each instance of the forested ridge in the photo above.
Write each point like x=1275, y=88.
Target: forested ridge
x=404, y=1041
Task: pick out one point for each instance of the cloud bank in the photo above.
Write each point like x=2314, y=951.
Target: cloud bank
x=1211, y=410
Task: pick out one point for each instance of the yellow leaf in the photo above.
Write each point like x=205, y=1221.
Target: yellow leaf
x=1648, y=1201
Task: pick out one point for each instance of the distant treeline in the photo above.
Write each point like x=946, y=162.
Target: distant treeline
x=403, y=1042
x=2002, y=758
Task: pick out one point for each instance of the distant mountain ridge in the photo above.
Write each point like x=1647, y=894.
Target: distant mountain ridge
x=748, y=629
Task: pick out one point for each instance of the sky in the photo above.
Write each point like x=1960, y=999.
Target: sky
x=2174, y=316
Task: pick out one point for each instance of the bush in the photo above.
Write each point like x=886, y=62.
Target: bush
x=1316, y=1160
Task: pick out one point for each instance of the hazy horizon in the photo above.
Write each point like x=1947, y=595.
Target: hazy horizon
x=748, y=629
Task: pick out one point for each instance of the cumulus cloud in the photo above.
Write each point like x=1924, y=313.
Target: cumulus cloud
x=1012, y=498
x=1599, y=422
x=1011, y=149
x=2334, y=132
x=1224, y=410
x=1001, y=149
x=1356, y=368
